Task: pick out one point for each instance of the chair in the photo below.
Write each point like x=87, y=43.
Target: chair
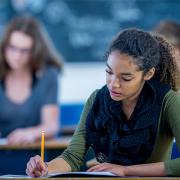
x=70, y=116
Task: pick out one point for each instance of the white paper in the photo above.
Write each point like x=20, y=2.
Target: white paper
x=76, y=174
x=65, y=174
x=9, y=176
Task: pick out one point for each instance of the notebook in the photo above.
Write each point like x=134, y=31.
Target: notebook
x=65, y=174
x=82, y=174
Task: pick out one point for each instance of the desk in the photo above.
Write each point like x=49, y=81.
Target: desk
x=58, y=143
x=109, y=178
x=20, y=154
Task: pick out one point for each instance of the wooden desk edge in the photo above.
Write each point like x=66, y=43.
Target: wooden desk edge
x=58, y=143
x=100, y=178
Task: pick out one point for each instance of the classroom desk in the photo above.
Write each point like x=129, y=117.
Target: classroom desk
x=116, y=178
x=109, y=178
x=58, y=143
x=9, y=154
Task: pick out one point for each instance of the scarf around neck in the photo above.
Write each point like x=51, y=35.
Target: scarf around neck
x=117, y=140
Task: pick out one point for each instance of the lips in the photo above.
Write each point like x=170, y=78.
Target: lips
x=114, y=93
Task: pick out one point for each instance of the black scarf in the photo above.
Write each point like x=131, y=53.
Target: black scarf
x=118, y=141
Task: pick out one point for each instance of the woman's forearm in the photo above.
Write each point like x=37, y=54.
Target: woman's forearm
x=153, y=169
x=58, y=165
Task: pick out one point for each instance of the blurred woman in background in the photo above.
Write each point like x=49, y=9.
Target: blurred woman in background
x=170, y=30
x=29, y=68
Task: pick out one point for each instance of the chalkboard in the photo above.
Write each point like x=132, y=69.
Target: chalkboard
x=83, y=29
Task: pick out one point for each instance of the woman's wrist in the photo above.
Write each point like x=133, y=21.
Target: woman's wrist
x=47, y=168
x=126, y=170
x=35, y=133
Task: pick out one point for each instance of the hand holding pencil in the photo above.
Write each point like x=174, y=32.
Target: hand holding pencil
x=36, y=166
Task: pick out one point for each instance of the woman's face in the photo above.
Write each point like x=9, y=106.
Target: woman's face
x=123, y=78
x=18, y=50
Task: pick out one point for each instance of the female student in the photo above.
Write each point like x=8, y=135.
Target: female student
x=28, y=83
x=130, y=122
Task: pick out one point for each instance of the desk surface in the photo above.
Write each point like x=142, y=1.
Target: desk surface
x=58, y=143
x=98, y=178
x=116, y=178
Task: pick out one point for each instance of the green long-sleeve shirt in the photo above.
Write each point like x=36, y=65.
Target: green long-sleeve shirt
x=168, y=129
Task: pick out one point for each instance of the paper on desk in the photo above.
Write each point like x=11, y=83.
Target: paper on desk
x=65, y=174
x=9, y=176
x=82, y=174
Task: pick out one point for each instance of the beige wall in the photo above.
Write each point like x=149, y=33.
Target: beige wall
x=79, y=80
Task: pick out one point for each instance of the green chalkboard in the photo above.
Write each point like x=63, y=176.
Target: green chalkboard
x=86, y=27
x=82, y=29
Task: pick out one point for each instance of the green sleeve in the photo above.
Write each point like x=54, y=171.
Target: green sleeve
x=74, y=154
x=172, y=114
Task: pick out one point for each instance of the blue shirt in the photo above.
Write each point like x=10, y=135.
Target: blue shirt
x=28, y=113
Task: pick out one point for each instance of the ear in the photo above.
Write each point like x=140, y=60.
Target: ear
x=149, y=74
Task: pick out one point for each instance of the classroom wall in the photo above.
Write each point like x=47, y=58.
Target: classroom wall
x=79, y=80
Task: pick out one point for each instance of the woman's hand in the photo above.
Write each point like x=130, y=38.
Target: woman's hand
x=36, y=167
x=107, y=167
x=21, y=136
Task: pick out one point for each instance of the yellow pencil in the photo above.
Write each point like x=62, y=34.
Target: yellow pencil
x=42, y=145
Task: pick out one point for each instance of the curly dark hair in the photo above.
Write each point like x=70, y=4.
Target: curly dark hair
x=43, y=52
x=149, y=51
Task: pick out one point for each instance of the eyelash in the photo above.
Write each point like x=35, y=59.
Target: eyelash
x=109, y=72
x=126, y=79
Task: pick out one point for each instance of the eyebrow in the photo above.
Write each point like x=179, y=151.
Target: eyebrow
x=125, y=74
x=108, y=66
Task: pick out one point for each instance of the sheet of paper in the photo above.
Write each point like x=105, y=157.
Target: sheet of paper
x=82, y=174
x=9, y=176
x=66, y=174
